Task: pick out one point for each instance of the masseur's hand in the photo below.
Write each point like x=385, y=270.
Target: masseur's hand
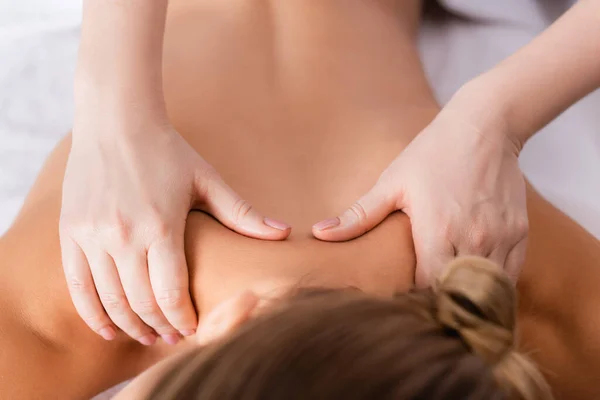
x=127, y=193
x=459, y=182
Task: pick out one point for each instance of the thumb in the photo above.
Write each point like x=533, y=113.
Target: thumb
x=360, y=218
x=222, y=202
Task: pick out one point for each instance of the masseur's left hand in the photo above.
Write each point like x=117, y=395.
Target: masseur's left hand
x=459, y=182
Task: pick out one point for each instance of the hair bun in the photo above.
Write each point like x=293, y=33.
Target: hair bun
x=476, y=299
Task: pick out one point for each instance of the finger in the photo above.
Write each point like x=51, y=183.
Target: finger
x=433, y=253
x=515, y=260
x=113, y=298
x=360, y=218
x=170, y=283
x=133, y=272
x=237, y=214
x=82, y=289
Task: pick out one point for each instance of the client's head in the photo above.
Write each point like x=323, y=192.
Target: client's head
x=454, y=341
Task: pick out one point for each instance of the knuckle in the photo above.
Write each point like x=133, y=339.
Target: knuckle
x=241, y=209
x=359, y=214
x=522, y=226
x=120, y=231
x=144, y=307
x=113, y=303
x=76, y=229
x=77, y=285
x=95, y=321
x=112, y=229
x=84, y=234
x=160, y=228
x=65, y=225
x=170, y=298
x=478, y=240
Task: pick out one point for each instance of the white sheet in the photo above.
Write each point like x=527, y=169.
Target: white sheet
x=38, y=43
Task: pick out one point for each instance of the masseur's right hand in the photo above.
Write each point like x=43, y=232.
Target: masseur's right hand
x=128, y=188
x=460, y=184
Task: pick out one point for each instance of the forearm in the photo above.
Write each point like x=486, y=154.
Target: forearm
x=540, y=81
x=120, y=55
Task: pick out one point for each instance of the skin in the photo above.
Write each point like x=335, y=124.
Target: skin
x=303, y=128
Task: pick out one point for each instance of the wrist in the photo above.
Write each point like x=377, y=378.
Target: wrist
x=485, y=107
x=93, y=87
x=103, y=115
x=115, y=103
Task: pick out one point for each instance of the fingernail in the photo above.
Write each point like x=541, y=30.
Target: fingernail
x=327, y=224
x=148, y=340
x=171, y=338
x=108, y=333
x=276, y=224
x=187, y=332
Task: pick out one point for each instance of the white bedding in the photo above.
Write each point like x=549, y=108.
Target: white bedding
x=38, y=43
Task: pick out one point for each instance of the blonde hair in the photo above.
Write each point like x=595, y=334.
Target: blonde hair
x=476, y=299
x=456, y=340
